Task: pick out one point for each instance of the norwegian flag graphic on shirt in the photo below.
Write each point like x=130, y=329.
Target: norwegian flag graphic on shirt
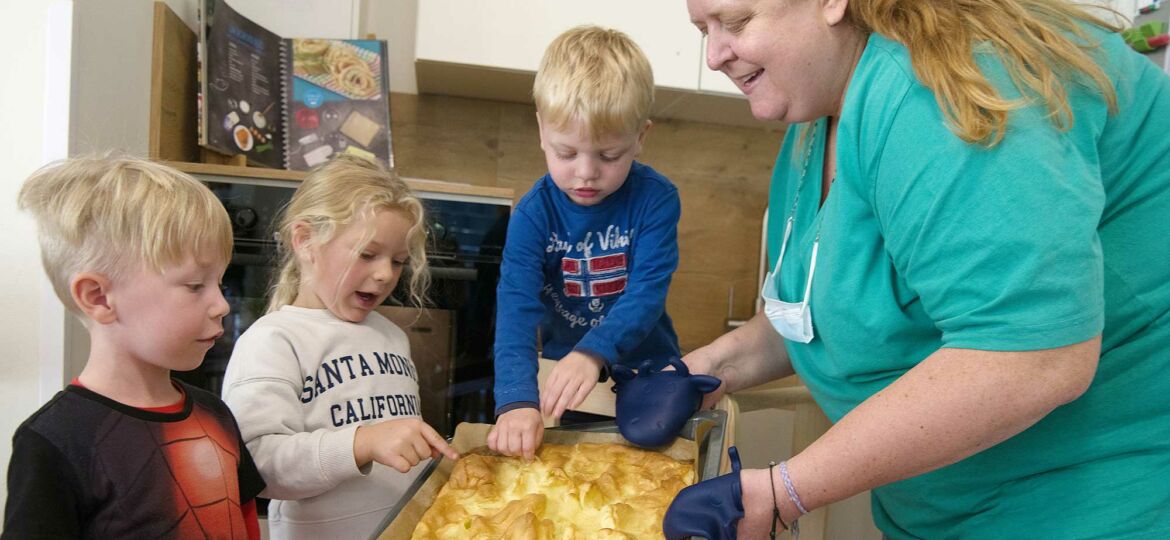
x=590, y=277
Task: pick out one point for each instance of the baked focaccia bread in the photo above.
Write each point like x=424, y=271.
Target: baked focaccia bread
x=569, y=492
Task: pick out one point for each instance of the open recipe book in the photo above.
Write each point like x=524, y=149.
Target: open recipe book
x=289, y=102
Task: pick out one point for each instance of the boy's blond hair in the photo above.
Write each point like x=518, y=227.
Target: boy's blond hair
x=335, y=195
x=109, y=214
x=596, y=76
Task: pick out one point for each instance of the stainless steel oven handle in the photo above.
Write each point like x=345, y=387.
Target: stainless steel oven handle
x=458, y=274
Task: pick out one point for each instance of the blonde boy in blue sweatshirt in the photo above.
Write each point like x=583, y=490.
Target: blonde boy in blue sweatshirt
x=591, y=248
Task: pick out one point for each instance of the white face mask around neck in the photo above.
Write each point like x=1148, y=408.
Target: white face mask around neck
x=793, y=320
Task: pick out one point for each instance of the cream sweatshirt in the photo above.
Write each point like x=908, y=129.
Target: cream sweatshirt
x=300, y=382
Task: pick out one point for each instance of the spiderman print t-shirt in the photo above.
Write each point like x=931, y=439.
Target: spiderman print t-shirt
x=85, y=466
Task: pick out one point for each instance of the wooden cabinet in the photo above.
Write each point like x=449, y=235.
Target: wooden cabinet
x=512, y=34
x=491, y=50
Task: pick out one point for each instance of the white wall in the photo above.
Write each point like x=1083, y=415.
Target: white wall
x=111, y=73
x=22, y=89
x=1128, y=8
x=1125, y=8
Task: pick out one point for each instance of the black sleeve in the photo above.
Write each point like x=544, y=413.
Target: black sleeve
x=43, y=501
x=251, y=483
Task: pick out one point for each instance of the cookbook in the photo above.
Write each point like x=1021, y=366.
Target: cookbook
x=290, y=102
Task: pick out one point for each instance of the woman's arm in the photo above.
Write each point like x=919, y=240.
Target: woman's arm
x=952, y=405
x=745, y=357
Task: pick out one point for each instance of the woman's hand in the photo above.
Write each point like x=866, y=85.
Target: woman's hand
x=745, y=357
x=758, y=504
x=517, y=432
x=700, y=364
x=570, y=381
x=400, y=444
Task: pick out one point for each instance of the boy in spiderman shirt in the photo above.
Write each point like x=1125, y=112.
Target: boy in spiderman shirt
x=136, y=250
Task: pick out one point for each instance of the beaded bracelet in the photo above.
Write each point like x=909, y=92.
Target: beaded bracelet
x=775, y=507
x=792, y=496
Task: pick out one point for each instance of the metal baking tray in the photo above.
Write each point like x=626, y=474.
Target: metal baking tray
x=705, y=427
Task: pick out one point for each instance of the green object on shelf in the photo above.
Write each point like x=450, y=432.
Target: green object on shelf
x=1138, y=37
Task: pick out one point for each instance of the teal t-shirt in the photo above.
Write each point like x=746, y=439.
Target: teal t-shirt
x=1044, y=240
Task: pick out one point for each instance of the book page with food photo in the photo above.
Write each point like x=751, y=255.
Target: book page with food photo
x=337, y=97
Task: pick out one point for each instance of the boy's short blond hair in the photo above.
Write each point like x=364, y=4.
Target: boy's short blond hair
x=109, y=214
x=596, y=76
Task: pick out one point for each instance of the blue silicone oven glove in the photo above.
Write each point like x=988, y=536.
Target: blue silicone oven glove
x=652, y=406
x=710, y=509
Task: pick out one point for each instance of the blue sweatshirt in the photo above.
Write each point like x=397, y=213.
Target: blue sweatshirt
x=592, y=278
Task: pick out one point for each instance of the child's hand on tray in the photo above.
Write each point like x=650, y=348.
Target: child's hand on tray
x=569, y=383
x=517, y=432
x=400, y=444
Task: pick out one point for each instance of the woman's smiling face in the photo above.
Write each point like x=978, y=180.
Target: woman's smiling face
x=787, y=56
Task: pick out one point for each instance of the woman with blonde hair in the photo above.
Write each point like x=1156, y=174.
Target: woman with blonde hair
x=323, y=386
x=969, y=268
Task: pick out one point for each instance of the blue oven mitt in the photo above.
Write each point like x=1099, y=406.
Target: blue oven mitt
x=652, y=406
x=710, y=509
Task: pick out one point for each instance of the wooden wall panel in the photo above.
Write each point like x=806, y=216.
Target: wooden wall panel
x=450, y=139
x=721, y=171
x=521, y=161
x=173, y=128
x=722, y=174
